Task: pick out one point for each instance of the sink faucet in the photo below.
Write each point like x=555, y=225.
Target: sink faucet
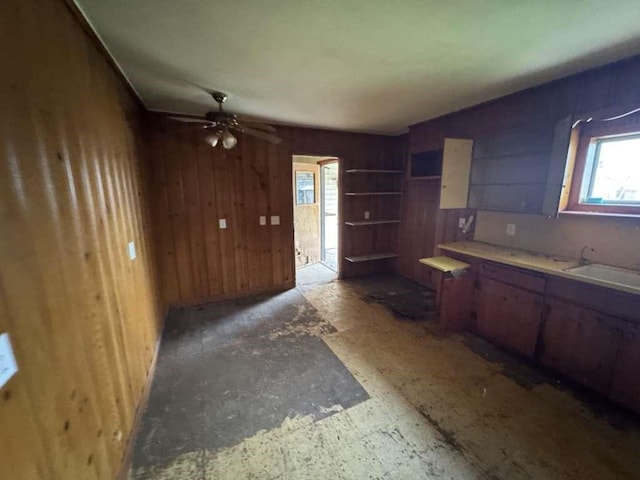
x=584, y=260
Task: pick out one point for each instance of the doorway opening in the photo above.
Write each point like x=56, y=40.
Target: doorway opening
x=315, y=217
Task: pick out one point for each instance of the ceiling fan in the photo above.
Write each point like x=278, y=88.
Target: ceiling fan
x=220, y=122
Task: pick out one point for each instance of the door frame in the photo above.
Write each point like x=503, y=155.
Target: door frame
x=331, y=157
x=324, y=163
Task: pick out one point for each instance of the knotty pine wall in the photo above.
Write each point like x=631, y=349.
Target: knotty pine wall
x=608, y=86
x=194, y=185
x=82, y=317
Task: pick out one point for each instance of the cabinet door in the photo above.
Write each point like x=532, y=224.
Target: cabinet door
x=456, y=165
x=625, y=384
x=508, y=316
x=580, y=343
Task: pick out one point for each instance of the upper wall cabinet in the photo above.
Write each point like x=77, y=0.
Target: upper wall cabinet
x=456, y=164
x=520, y=170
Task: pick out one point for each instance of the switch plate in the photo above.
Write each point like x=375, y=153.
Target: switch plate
x=222, y=223
x=461, y=222
x=263, y=220
x=8, y=365
x=275, y=220
x=366, y=215
x=511, y=229
x=131, y=248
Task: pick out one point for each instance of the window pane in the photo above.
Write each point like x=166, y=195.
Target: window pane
x=305, y=188
x=616, y=177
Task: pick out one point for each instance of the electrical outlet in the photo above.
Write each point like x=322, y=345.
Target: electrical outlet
x=275, y=220
x=222, y=223
x=461, y=222
x=8, y=365
x=263, y=220
x=366, y=215
x=131, y=248
x=511, y=229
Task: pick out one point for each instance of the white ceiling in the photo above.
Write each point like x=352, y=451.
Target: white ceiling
x=360, y=65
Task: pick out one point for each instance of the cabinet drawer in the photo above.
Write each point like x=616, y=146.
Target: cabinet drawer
x=512, y=276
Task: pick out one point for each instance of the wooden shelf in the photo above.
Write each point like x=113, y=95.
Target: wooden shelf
x=370, y=257
x=432, y=177
x=370, y=222
x=362, y=170
x=356, y=194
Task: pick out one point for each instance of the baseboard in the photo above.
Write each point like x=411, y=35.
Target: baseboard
x=235, y=295
x=141, y=408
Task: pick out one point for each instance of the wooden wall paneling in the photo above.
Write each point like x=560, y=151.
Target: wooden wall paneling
x=162, y=233
x=208, y=218
x=250, y=180
x=419, y=217
x=250, y=187
x=224, y=192
x=193, y=208
x=81, y=316
x=173, y=178
x=286, y=214
x=606, y=86
x=264, y=208
x=276, y=234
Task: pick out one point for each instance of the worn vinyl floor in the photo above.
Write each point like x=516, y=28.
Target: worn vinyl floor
x=343, y=380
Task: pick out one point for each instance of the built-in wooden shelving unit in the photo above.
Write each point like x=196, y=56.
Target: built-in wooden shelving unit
x=382, y=182
x=370, y=222
x=370, y=257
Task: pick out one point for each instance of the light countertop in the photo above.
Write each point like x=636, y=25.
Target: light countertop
x=539, y=262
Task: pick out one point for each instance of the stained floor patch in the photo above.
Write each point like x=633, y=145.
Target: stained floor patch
x=438, y=407
x=227, y=371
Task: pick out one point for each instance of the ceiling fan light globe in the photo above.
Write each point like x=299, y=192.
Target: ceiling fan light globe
x=212, y=139
x=228, y=140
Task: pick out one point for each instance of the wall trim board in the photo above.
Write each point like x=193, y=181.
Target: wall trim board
x=94, y=36
x=141, y=408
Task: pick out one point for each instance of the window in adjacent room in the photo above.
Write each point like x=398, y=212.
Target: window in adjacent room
x=305, y=188
x=607, y=172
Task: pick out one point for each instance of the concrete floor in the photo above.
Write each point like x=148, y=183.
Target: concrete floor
x=450, y=408
x=314, y=273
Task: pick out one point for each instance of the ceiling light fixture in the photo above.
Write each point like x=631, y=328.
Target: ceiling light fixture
x=212, y=139
x=228, y=140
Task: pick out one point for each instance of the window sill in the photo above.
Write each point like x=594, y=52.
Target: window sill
x=579, y=213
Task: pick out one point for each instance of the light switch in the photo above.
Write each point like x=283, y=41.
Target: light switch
x=511, y=229
x=8, y=365
x=222, y=223
x=263, y=220
x=275, y=220
x=366, y=215
x=461, y=222
x=131, y=247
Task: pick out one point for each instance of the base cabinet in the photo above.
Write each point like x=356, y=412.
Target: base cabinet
x=587, y=333
x=625, y=383
x=508, y=315
x=580, y=343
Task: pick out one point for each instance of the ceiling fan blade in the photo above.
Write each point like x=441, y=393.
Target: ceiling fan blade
x=257, y=125
x=190, y=120
x=260, y=134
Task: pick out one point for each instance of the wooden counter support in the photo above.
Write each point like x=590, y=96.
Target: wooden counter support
x=454, y=292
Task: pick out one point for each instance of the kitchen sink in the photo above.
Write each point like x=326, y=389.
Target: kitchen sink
x=605, y=273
